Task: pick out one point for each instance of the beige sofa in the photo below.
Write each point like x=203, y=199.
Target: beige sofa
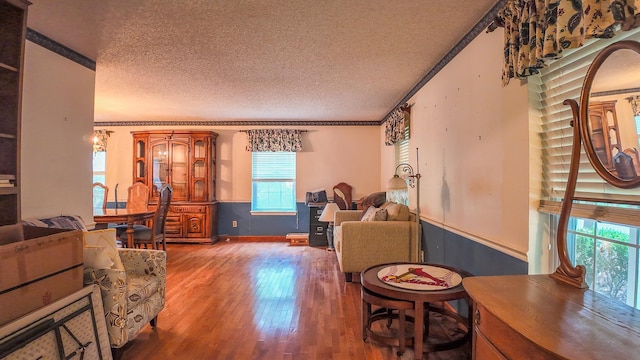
x=361, y=244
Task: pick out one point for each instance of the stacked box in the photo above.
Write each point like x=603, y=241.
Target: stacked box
x=39, y=270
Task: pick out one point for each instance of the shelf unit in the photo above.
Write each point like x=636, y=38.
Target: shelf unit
x=13, y=25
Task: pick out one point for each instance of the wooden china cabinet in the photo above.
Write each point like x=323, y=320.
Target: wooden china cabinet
x=186, y=160
x=604, y=131
x=13, y=25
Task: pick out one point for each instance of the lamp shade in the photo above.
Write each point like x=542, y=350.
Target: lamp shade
x=396, y=183
x=328, y=212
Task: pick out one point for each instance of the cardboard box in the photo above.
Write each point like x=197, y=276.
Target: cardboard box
x=43, y=268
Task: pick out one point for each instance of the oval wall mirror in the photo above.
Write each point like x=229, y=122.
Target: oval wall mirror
x=610, y=114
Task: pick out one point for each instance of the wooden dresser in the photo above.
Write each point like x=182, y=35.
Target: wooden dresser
x=537, y=317
x=186, y=160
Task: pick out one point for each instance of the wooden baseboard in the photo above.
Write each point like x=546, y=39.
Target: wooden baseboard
x=279, y=238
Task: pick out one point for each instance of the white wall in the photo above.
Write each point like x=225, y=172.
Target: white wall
x=57, y=124
x=331, y=154
x=473, y=136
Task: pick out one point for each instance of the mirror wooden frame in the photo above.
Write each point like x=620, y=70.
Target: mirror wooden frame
x=566, y=271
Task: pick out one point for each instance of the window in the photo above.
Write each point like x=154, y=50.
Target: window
x=402, y=147
x=609, y=253
x=273, y=182
x=402, y=157
x=99, y=175
x=100, y=167
x=637, y=120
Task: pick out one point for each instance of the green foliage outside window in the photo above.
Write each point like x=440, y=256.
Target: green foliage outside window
x=607, y=263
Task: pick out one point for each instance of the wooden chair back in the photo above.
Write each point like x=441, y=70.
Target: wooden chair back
x=342, y=196
x=138, y=197
x=160, y=217
x=633, y=152
x=100, y=193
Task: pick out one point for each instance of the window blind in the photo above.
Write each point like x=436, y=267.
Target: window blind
x=273, y=165
x=561, y=80
x=402, y=146
x=273, y=182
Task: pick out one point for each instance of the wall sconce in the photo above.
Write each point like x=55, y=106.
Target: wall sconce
x=398, y=188
x=327, y=215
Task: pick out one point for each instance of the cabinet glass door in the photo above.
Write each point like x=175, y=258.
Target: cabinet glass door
x=199, y=170
x=159, y=167
x=179, y=170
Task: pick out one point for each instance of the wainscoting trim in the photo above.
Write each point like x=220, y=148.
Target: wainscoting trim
x=486, y=242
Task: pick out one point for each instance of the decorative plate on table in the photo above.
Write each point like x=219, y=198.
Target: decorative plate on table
x=419, y=277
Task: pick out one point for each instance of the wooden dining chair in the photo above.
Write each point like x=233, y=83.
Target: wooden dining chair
x=155, y=234
x=100, y=193
x=138, y=196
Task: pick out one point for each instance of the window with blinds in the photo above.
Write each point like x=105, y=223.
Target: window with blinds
x=561, y=80
x=273, y=178
x=99, y=175
x=402, y=146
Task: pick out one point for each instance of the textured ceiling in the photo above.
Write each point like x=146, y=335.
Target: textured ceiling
x=205, y=60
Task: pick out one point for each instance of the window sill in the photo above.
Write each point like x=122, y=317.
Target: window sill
x=277, y=213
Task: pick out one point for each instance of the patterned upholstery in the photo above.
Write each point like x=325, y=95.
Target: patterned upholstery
x=133, y=289
x=132, y=297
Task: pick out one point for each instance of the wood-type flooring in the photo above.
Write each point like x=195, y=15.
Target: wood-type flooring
x=261, y=300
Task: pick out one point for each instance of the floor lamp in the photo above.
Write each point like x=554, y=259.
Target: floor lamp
x=403, y=177
x=327, y=215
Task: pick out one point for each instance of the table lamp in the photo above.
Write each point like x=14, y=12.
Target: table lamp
x=327, y=216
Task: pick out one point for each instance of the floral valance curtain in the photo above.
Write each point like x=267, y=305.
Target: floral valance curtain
x=100, y=138
x=394, y=127
x=263, y=140
x=635, y=104
x=539, y=30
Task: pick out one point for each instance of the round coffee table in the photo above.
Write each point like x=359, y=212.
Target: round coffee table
x=413, y=282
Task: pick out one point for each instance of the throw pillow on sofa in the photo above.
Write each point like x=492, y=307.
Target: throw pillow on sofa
x=396, y=212
x=96, y=257
x=106, y=239
x=376, y=200
x=375, y=214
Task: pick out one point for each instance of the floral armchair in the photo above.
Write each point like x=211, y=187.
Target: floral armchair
x=131, y=281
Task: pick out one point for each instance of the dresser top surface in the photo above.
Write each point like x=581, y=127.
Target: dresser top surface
x=565, y=320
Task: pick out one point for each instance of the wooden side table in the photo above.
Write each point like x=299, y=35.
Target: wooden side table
x=385, y=312
x=422, y=303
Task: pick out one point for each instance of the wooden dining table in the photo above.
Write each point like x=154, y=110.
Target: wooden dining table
x=127, y=216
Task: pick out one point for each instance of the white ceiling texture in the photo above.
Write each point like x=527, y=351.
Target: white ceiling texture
x=258, y=60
